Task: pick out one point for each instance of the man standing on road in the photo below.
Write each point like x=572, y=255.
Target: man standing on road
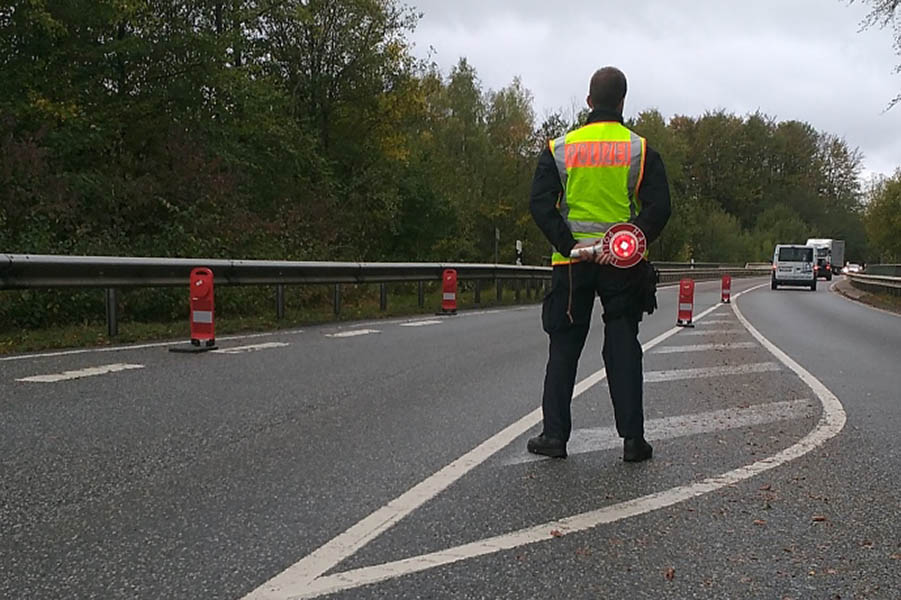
x=586, y=181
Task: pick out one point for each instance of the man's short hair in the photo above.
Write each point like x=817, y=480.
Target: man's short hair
x=607, y=88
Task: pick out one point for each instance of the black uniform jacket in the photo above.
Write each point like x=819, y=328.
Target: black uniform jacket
x=653, y=194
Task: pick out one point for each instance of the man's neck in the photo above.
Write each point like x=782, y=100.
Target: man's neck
x=604, y=114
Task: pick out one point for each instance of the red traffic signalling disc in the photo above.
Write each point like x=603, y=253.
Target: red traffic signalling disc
x=626, y=244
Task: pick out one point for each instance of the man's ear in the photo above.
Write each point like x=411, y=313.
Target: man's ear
x=588, y=101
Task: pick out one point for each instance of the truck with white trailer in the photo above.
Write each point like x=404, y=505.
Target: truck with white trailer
x=830, y=256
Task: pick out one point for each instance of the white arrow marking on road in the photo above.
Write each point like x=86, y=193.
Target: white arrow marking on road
x=419, y=323
x=347, y=334
x=251, y=348
x=605, y=438
x=88, y=372
x=831, y=423
x=704, y=348
x=676, y=374
x=297, y=579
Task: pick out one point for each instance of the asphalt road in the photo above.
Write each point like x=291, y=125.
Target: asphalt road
x=327, y=462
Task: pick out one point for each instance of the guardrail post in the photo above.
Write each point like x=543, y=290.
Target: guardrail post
x=336, y=300
x=516, y=286
x=478, y=299
x=421, y=291
x=280, y=301
x=112, y=320
x=500, y=290
x=383, y=297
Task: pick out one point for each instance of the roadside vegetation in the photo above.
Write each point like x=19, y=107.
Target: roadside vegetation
x=307, y=130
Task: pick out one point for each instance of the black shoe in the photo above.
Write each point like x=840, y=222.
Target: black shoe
x=636, y=450
x=547, y=446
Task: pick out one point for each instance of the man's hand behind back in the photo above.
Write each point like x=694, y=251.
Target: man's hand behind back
x=587, y=255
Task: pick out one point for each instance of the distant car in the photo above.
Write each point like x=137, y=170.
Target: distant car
x=793, y=264
x=852, y=268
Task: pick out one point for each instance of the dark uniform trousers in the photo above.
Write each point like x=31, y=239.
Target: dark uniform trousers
x=566, y=316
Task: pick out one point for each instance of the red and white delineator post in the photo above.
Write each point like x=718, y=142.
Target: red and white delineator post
x=686, y=303
x=624, y=242
x=727, y=289
x=449, y=292
x=202, y=306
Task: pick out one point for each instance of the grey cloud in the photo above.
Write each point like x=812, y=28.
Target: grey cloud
x=801, y=60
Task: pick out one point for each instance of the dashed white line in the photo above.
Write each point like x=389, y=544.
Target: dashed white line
x=676, y=374
x=78, y=374
x=353, y=333
x=713, y=331
x=250, y=348
x=143, y=346
x=704, y=347
x=420, y=323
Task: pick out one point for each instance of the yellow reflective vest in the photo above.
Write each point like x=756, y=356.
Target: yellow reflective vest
x=600, y=167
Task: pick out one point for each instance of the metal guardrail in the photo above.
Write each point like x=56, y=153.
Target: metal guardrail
x=889, y=270
x=880, y=284
x=24, y=271
x=31, y=271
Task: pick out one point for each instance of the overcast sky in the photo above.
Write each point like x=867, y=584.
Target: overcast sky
x=791, y=59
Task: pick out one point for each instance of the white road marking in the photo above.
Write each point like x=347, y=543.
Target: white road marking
x=605, y=438
x=830, y=424
x=251, y=348
x=704, y=347
x=467, y=313
x=713, y=331
x=78, y=374
x=297, y=579
x=420, y=323
x=717, y=322
x=676, y=374
x=142, y=346
x=352, y=333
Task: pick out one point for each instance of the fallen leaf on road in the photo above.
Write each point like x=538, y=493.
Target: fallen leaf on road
x=669, y=574
x=556, y=533
x=584, y=551
x=819, y=518
x=896, y=556
x=759, y=521
x=766, y=487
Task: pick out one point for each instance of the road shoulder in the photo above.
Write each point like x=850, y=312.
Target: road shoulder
x=844, y=288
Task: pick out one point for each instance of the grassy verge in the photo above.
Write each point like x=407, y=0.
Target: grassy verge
x=358, y=302
x=884, y=301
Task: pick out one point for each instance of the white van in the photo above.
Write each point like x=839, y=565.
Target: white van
x=793, y=264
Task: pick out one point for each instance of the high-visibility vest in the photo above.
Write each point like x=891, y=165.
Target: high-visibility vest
x=600, y=167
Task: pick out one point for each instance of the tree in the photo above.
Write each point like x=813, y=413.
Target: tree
x=885, y=13
x=883, y=219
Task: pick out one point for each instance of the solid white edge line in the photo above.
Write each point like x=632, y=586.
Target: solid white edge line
x=830, y=424
x=227, y=338
x=299, y=576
